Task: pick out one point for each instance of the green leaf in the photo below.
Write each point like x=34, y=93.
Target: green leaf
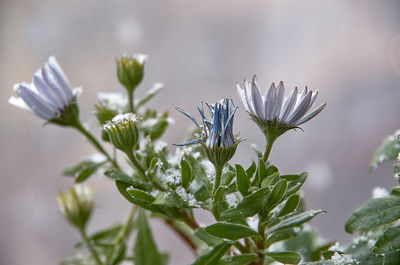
x=229, y=231
x=150, y=94
x=251, y=170
x=118, y=254
x=238, y=260
x=277, y=194
x=295, y=220
x=373, y=213
x=249, y=206
x=118, y=175
x=214, y=255
x=242, y=180
x=286, y=257
x=186, y=172
x=279, y=236
x=295, y=182
x=290, y=205
x=389, y=241
x=207, y=238
x=270, y=180
x=388, y=150
x=141, y=195
x=227, y=175
x=262, y=170
x=145, y=251
x=169, y=198
x=154, y=127
x=82, y=171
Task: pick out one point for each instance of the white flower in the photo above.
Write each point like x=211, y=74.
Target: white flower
x=49, y=93
x=275, y=106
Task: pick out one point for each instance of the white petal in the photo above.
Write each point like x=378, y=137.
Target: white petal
x=256, y=98
x=301, y=109
x=247, y=92
x=311, y=115
x=46, y=91
x=242, y=97
x=269, y=102
x=288, y=105
x=60, y=77
x=279, y=99
x=18, y=102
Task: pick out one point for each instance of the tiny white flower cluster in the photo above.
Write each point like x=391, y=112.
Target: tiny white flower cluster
x=379, y=192
x=343, y=259
x=187, y=197
x=115, y=101
x=172, y=176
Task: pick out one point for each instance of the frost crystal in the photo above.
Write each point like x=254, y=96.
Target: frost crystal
x=155, y=88
x=172, y=176
x=253, y=222
x=117, y=101
x=232, y=200
x=187, y=197
x=159, y=146
x=97, y=158
x=379, y=192
x=339, y=259
x=208, y=168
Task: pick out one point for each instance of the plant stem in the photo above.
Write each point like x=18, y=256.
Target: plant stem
x=218, y=173
x=125, y=229
x=181, y=234
x=270, y=139
x=93, y=140
x=240, y=247
x=189, y=220
x=131, y=102
x=91, y=249
x=139, y=167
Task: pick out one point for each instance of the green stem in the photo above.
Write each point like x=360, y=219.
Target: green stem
x=131, y=102
x=218, y=174
x=125, y=229
x=91, y=249
x=139, y=167
x=187, y=219
x=268, y=146
x=93, y=140
x=240, y=247
x=181, y=234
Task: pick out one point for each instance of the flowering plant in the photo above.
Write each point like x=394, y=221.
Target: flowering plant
x=260, y=216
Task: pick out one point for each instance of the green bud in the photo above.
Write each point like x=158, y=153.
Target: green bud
x=76, y=205
x=130, y=71
x=219, y=156
x=123, y=132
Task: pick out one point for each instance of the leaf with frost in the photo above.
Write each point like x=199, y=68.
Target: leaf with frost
x=375, y=212
x=388, y=150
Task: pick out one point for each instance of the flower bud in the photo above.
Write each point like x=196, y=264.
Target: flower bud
x=123, y=132
x=76, y=205
x=130, y=71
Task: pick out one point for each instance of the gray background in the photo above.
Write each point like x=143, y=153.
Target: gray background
x=348, y=50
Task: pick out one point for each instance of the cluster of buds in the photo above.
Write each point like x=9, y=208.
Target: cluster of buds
x=76, y=205
x=123, y=132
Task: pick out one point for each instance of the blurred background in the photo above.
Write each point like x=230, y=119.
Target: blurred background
x=348, y=50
